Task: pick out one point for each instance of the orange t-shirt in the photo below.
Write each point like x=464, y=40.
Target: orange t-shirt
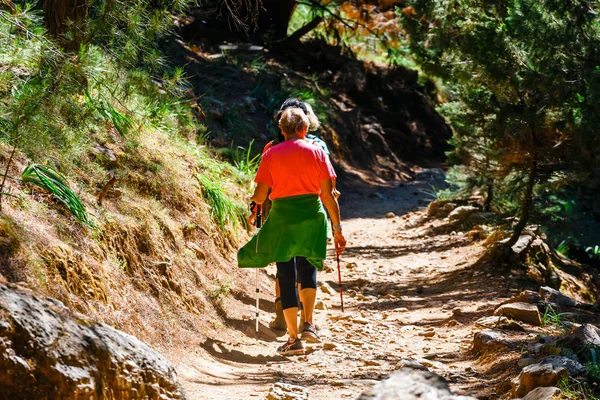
x=293, y=168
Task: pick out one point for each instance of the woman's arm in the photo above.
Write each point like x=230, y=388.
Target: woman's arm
x=333, y=208
x=260, y=193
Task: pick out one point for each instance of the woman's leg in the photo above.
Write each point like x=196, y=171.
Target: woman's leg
x=279, y=321
x=287, y=288
x=307, y=280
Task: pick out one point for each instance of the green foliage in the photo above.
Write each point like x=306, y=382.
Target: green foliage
x=121, y=122
x=592, y=370
x=593, y=252
x=574, y=390
x=522, y=75
x=551, y=317
x=223, y=209
x=49, y=179
x=244, y=161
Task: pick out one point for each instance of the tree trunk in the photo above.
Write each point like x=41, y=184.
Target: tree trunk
x=489, y=197
x=528, y=196
x=294, y=37
x=65, y=20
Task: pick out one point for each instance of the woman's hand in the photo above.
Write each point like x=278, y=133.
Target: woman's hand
x=340, y=242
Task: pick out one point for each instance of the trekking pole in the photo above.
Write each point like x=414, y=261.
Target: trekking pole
x=258, y=225
x=340, y=278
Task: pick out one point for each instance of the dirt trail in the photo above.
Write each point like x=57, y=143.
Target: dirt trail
x=409, y=295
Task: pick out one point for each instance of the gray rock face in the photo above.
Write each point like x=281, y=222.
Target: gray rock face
x=48, y=353
x=411, y=384
x=524, y=312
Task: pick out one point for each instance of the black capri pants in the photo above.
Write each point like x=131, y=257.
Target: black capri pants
x=303, y=273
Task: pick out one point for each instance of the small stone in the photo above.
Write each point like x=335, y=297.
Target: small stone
x=319, y=305
x=285, y=391
x=390, y=215
x=427, y=334
x=372, y=363
x=410, y=363
x=330, y=346
x=453, y=322
x=337, y=383
x=457, y=312
x=325, y=288
x=491, y=322
x=351, y=265
x=402, y=309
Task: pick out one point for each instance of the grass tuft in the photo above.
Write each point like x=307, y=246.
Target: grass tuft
x=223, y=209
x=51, y=180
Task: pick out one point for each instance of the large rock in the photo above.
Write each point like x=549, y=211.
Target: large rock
x=462, y=214
x=524, y=312
x=48, y=353
x=554, y=296
x=543, y=393
x=546, y=373
x=489, y=341
x=412, y=384
x=526, y=296
x=582, y=341
x=440, y=209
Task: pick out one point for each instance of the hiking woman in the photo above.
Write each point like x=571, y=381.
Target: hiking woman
x=279, y=321
x=297, y=172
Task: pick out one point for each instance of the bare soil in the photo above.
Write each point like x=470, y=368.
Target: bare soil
x=409, y=294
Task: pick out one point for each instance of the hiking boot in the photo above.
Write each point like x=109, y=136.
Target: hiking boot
x=309, y=333
x=292, y=347
x=279, y=321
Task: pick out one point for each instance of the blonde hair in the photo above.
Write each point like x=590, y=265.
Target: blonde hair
x=313, y=120
x=293, y=121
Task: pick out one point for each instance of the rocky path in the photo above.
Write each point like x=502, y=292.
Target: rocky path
x=411, y=297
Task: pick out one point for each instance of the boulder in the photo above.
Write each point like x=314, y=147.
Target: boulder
x=462, y=214
x=411, y=384
x=546, y=373
x=47, y=352
x=526, y=296
x=542, y=393
x=524, y=312
x=582, y=340
x=440, y=209
x=550, y=295
x=488, y=341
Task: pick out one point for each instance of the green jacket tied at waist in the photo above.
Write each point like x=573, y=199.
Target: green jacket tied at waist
x=296, y=227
